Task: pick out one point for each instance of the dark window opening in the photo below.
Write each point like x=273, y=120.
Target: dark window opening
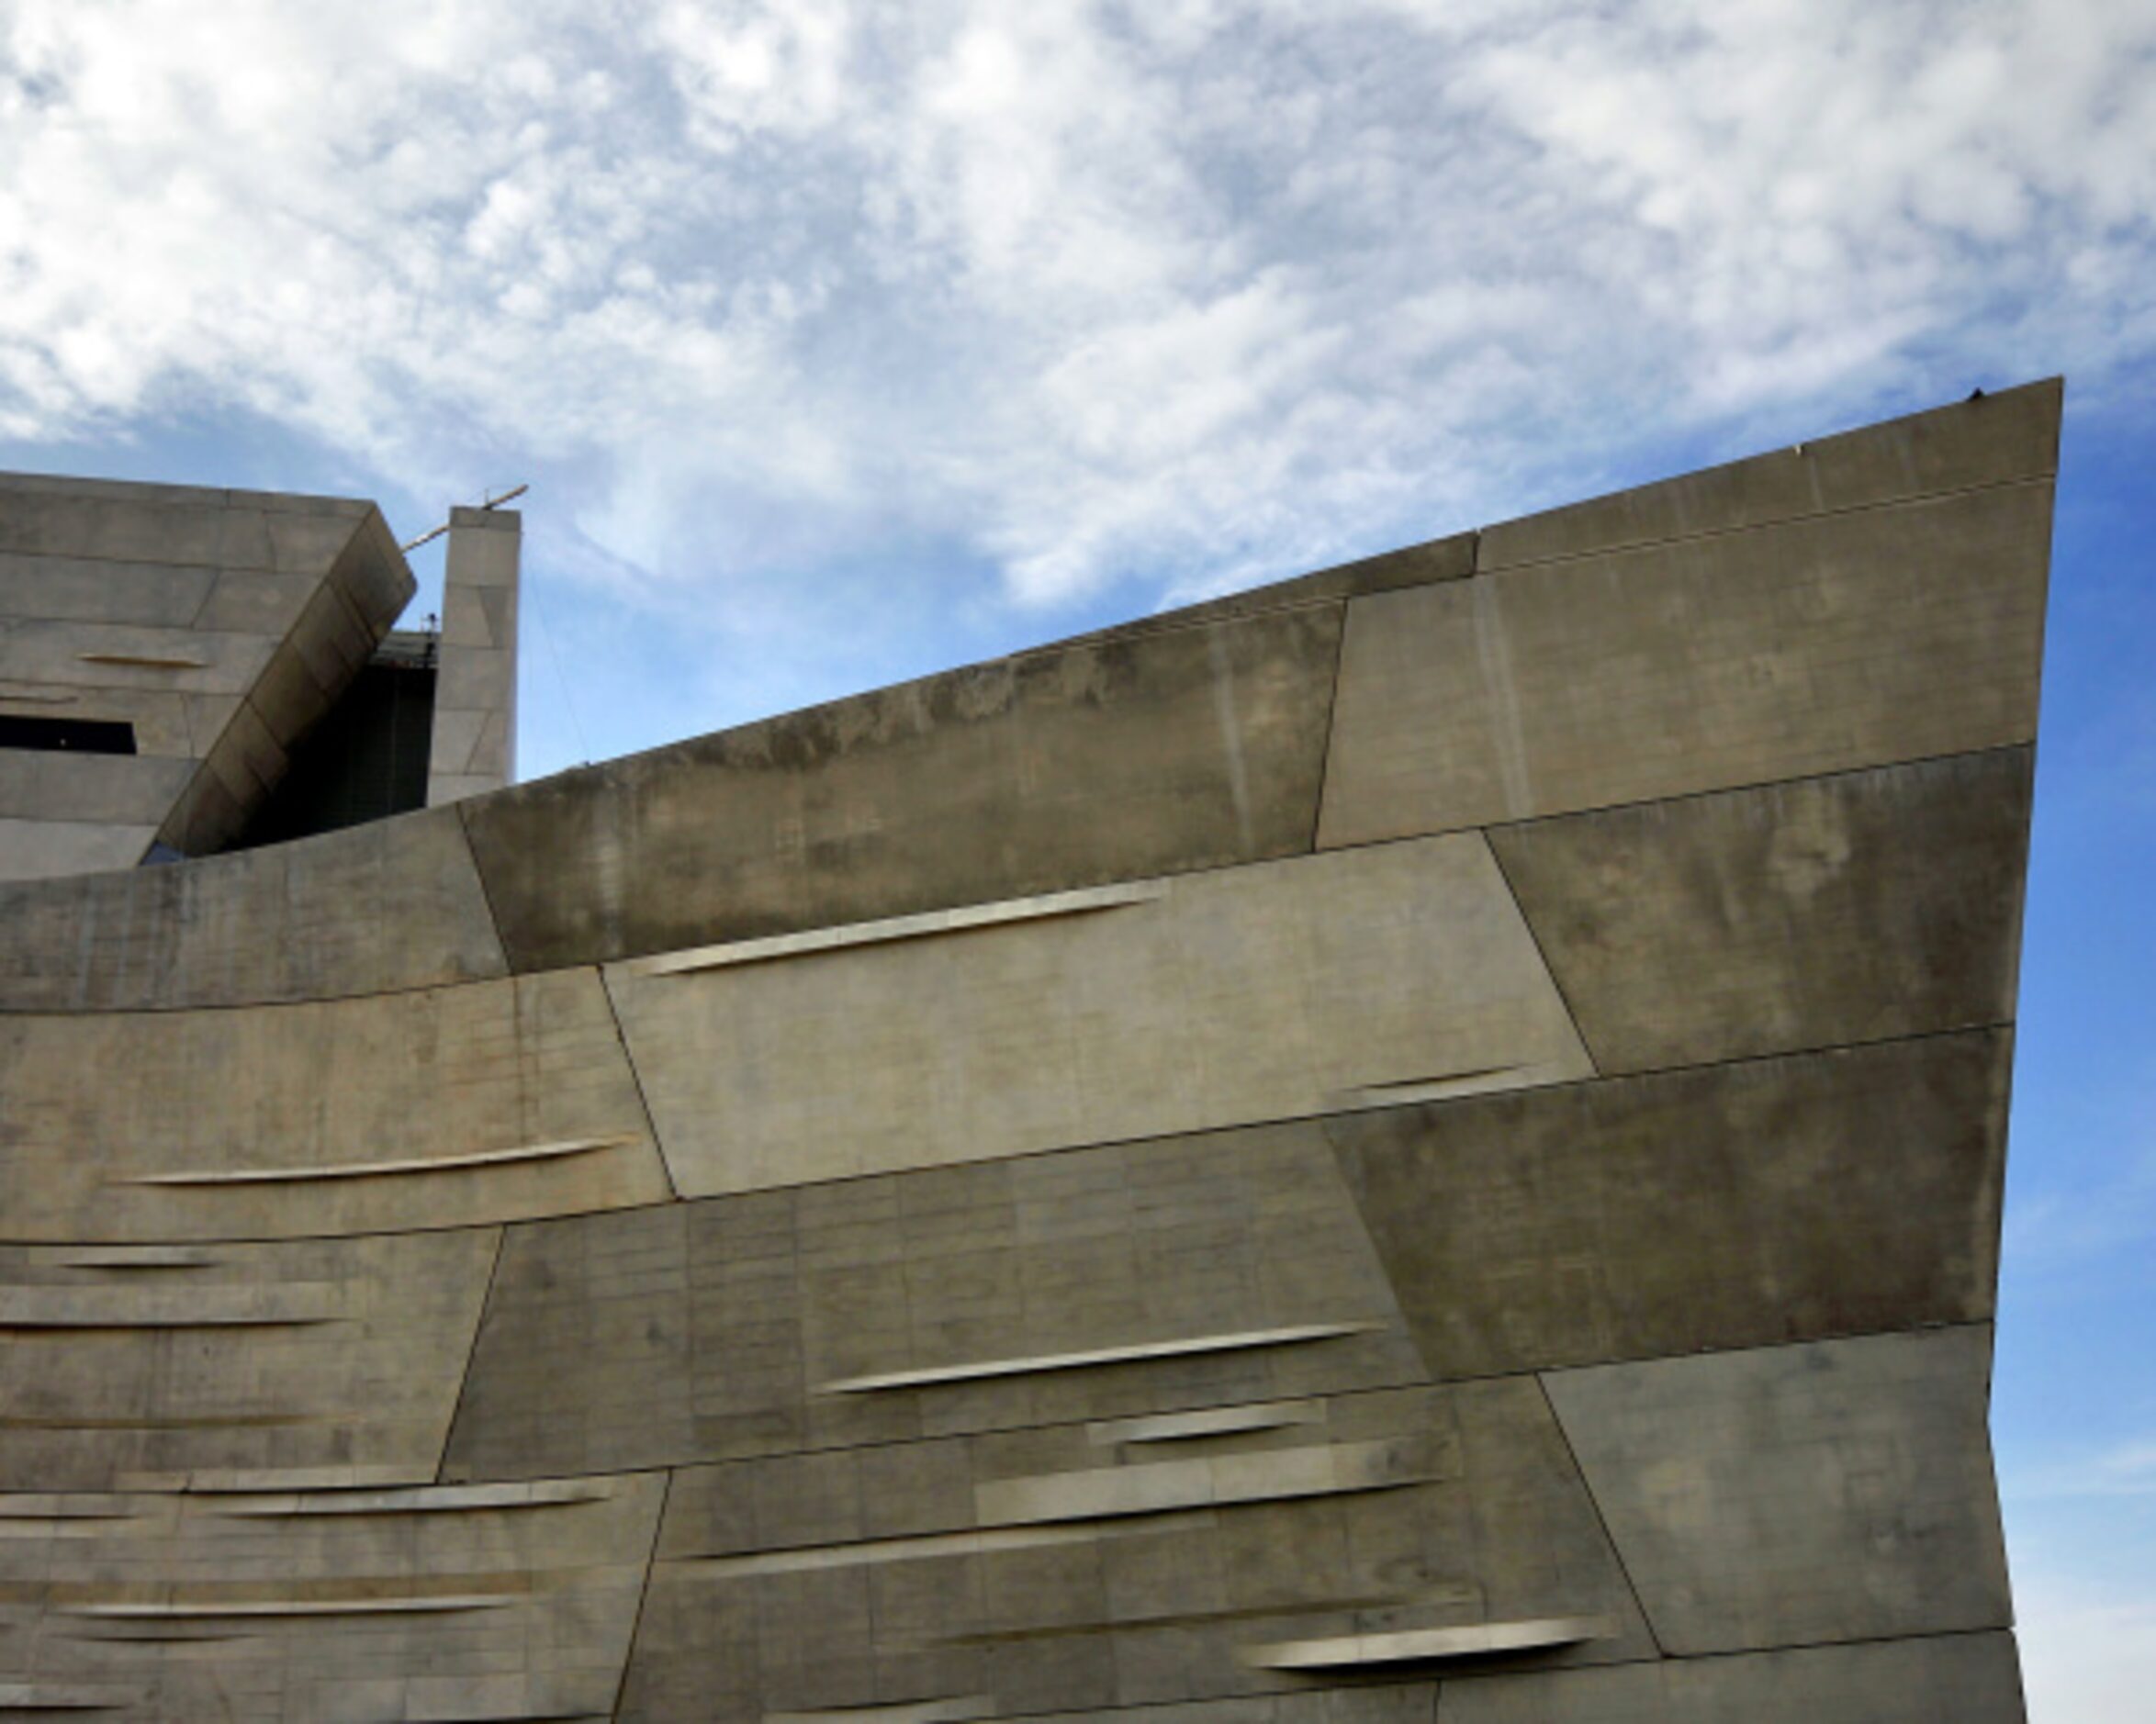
x=81, y=736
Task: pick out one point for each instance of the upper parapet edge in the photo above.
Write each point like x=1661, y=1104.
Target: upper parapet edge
x=1991, y=439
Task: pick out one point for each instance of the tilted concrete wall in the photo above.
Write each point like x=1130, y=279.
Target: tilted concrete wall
x=1420, y=1144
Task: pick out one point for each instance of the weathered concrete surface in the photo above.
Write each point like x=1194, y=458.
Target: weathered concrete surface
x=2008, y=436
x=321, y=1362
x=1232, y=996
x=779, y=1585
x=380, y=908
x=484, y=1102
x=1855, y=908
x=1737, y=1205
x=1112, y=760
x=713, y=1329
x=1448, y=559
x=1835, y=1490
x=1817, y=646
x=1957, y=1679
x=383, y=1604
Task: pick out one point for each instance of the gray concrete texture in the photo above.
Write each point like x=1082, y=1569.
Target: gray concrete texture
x=1420, y=1146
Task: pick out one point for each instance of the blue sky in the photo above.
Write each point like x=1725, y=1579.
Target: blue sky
x=841, y=340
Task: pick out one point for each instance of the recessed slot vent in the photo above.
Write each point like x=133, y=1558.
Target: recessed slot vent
x=79, y=736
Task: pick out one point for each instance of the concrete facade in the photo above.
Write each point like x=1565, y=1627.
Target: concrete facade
x=202, y=631
x=1421, y=1146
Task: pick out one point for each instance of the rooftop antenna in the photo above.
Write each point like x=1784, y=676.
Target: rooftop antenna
x=432, y=533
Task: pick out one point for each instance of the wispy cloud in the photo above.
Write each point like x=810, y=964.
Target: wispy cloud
x=1186, y=293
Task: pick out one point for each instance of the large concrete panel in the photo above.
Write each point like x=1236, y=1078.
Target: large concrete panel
x=1835, y=1490
x=1206, y=1000
x=1143, y=1278
x=326, y=1362
x=1096, y=761
x=1855, y=908
x=450, y=1106
x=1822, y=644
x=1956, y=1679
x=870, y=1576
x=53, y=849
x=1448, y=559
x=366, y=1608
x=1735, y=1206
x=1996, y=441
x=388, y=906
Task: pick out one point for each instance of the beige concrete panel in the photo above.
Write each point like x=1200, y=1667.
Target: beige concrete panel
x=1836, y=1491
x=90, y=790
x=424, y=1610
x=1958, y=1679
x=1254, y=993
x=1734, y=1205
x=1856, y=908
x=810, y=1582
x=2005, y=437
x=50, y=849
x=129, y=656
x=76, y=590
x=119, y=526
x=1089, y=762
x=1813, y=647
x=1386, y=1703
x=394, y=905
x=253, y=602
x=1438, y=560
x=284, y=1362
x=1138, y=1280
x=438, y=1108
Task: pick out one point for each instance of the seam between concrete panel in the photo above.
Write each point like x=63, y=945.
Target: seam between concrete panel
x=1543, y=957
x=471, y=1358
x=471, y=850
x=511, y=971
x=1988, y=1027
x=1914, y=499
x=1332, y=719
x=1602, y=1520
x=659, y=1525
x=1392, y=1387
x=658, y=1145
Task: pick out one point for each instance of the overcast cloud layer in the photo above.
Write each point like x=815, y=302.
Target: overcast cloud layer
x=1178, y=291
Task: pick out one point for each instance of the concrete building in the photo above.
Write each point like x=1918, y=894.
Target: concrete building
x=1422, y=1144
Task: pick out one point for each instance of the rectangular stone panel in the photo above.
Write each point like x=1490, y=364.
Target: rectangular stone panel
x=387, y=906
x=1855, y=908
x=434, y=1108
x=1956, y=1679
x=868, y=1576
x=1998, y=440
x=1082, y=764
x=1140, y=1279
x=421, y=1605
x=1238, y=995
x=1817, y=646
x=1734, y=1205
x=333, y=1360
x=1834, y=1491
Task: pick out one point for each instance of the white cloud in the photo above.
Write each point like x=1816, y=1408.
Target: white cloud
x=1190, y=293
x=2087, y=1654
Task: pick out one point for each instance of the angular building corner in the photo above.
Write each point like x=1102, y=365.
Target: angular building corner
x=1419, y=1144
